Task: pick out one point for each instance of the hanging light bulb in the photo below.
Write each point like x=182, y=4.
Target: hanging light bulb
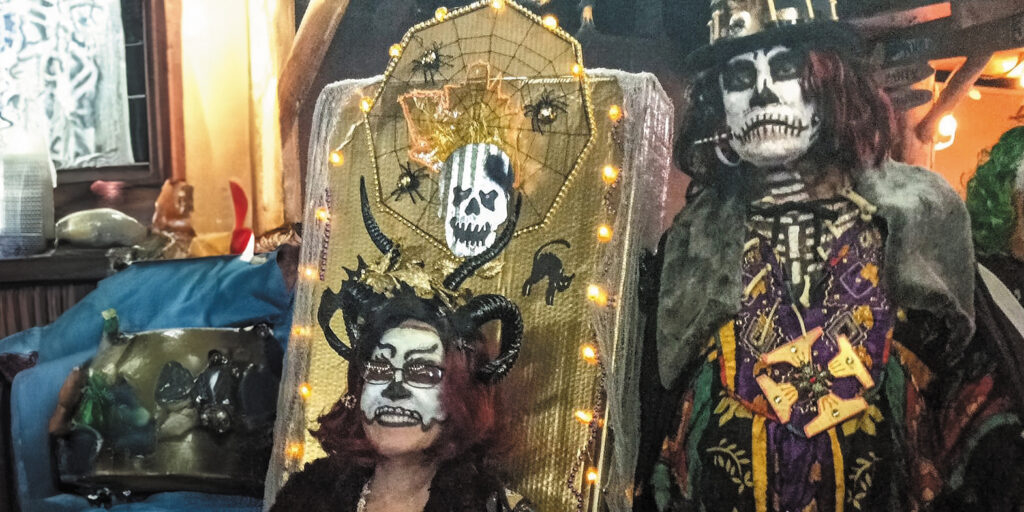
x=947, y=128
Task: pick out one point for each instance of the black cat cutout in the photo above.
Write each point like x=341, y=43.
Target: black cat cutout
x=547, y=265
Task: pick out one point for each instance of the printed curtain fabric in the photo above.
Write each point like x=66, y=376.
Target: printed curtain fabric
x=62, y=70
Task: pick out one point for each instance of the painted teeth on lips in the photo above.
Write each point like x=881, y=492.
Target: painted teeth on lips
x=396, y=416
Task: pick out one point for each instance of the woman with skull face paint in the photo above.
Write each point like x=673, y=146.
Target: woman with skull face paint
x=419, y=424
x=815, y=308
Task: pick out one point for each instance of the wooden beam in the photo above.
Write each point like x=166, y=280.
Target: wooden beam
x=308, y=49
x=959, y=83
x=890, y=21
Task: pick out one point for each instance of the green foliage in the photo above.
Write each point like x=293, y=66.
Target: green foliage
x=990, y=191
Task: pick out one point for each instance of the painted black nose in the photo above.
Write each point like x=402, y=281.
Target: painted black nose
x=396, y=391
x=473, y=208
x=763, y=96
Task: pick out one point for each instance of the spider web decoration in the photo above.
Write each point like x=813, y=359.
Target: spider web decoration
x=479, y=75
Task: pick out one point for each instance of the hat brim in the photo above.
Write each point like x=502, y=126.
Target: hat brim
x=833, y=35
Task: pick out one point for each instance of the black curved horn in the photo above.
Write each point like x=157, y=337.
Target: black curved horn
x=383, y=243
x=330, y=303
x=483, y=309
x=473, y=263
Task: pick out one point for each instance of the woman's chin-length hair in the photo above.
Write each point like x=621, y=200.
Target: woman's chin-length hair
x=472, y=423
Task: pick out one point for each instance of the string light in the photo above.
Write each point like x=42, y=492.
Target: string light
x=588, y=353
x=550, y=21
x=305, y=391
x=365, y=104
x=497, y=4
x=337, y=158
x=322, y=214
x=309, y=272
x=609, y=174
x=577, y=70
x=441, y=13
x=604, y=233
x=299, y=330
x=597, y=295
x=592, y=475
x=615, y=113
x=294, y=450
x=395, y=51
x=584, y=417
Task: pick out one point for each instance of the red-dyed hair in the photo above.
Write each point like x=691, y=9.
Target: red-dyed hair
x=472, y=423
x=858, y=126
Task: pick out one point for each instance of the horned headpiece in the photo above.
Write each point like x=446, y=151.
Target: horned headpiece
x=402, y=272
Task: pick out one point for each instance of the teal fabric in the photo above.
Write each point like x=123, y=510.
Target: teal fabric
x=207, y=292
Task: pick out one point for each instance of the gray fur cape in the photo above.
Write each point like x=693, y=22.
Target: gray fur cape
x=929, y=262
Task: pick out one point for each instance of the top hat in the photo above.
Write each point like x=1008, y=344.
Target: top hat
x=739, y=26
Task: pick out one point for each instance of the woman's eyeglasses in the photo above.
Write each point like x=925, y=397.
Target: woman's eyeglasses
x=415, y=374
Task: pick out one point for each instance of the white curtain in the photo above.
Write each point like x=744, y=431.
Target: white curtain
x=62, y=70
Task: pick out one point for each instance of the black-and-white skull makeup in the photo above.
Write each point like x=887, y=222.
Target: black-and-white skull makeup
x=770, y=120
x=411, y=394
x=480, y=180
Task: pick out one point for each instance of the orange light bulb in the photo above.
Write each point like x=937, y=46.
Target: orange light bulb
x=604, y=233
x=592, y=475
x=395, y=51
x=294, y=450
x=589, y=353
x=609, y=174
x=322, y=214
x=597, y=295
x=584, y=417
x=577, y=70
x=550, y=21
x=337, y=158
x=441, y=13
x=615, y=113
x=305, y=391
x=365, y=104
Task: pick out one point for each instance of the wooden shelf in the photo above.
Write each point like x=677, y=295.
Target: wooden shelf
x=63, y=264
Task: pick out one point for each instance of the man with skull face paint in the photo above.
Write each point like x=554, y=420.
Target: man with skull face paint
x=420, y=419
x=812, y=308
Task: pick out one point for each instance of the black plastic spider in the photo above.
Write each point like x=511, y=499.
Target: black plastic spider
x=431, y=62
x=409, y=183
x=544, y=111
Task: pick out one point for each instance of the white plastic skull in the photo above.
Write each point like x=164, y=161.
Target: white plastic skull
x=770, y=120
x=479, y=181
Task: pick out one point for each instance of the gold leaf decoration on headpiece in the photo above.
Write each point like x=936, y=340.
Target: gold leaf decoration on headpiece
x=475, y=111
x=406, y=266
